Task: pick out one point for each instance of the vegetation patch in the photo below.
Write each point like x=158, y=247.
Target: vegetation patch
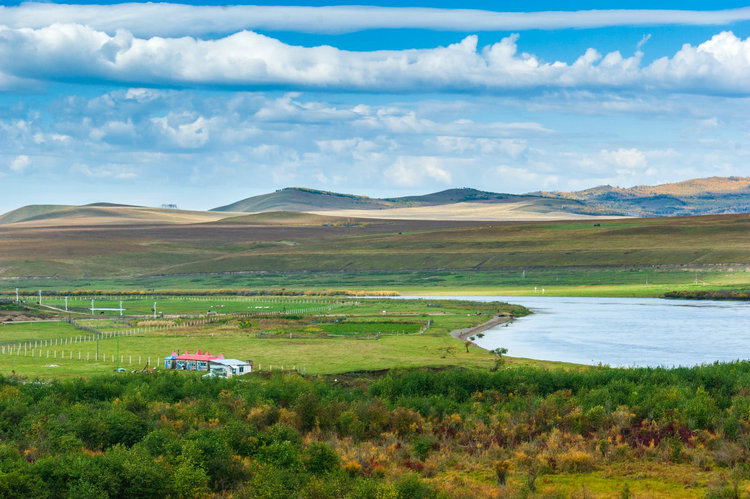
x=405, y=433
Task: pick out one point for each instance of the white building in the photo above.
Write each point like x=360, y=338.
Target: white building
x=229, y=367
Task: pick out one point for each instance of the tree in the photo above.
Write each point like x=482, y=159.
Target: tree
x=498, y=353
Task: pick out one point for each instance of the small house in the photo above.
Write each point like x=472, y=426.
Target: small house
x=197, y=361
x=169, y=360
x=230, y=367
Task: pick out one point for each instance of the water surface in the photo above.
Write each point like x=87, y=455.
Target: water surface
x=624, y=331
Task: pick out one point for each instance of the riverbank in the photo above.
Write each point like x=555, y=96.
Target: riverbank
x=466, y=333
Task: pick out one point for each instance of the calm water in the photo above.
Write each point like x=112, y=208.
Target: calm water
x=624, y=331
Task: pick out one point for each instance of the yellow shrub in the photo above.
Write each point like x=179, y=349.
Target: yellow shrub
x=352, y=467
x=575, y=461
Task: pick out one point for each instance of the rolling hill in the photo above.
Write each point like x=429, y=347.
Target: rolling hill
x=703, y=196
x=103, y=214
x=450, y=204
x=303, y=199
x=708, y=196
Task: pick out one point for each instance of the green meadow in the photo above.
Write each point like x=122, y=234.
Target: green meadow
x=315, y=335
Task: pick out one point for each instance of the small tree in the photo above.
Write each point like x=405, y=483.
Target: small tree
x=501, y=471
x=498, y=353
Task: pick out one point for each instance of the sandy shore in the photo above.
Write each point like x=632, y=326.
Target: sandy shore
x=466, y=333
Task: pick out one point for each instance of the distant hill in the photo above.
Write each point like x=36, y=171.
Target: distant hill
x=464, y=195
x=31, y=212
x=706, y=196
x=303, y=199
x=103, y=214
x=703, y=196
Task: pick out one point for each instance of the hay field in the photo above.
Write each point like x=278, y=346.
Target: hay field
x=518, y=211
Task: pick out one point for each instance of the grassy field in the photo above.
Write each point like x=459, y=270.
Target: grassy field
x=342, y=338
x=556, y=281
x=631, y=257
x=186, y=305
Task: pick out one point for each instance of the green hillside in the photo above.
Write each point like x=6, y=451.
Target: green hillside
x=707, y=196
x=296, y=199
x=464, y=195
x=303, y=199
x=32, y=212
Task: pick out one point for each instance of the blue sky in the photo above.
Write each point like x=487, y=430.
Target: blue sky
x=198, y=105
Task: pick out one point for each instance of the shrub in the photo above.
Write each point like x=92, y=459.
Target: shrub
x=410, y=486
x=421, y=446
x=320, y=458
x=575, y=461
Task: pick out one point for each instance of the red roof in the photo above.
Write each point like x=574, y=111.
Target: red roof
x=196, y=356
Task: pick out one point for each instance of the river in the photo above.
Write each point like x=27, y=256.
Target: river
x=623, y=331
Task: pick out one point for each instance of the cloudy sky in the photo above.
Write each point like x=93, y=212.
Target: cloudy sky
x=199, y=105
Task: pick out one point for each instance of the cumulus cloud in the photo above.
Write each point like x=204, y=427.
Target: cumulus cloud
x=148, y=19
x=626, y=158
x=412, y=171
x=20, y=164
x=182, y=130
x=720, y=65
x=72, y=52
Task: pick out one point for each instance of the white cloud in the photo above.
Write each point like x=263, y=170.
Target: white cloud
x=626, y=158
x=414, y=171
x=515, y=179
x=73, y=52
x=721, y=64
x=171, y=19
x=114, y=131
x=183, y=132
x=116, y=172
x=20, y=164
x=480, y=145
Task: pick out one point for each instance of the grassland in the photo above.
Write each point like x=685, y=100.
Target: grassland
x=314, y=335
x=633, y=257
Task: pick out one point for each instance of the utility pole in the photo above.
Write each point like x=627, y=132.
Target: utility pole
x=66, y=303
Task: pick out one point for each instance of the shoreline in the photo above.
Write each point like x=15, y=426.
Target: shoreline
x=465, y=333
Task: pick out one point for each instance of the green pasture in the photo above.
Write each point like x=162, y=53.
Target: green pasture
x=313, y=356
x=80, y=306
x=354, y=347
x=36, y=331
x=569, y=281
x=371, y=327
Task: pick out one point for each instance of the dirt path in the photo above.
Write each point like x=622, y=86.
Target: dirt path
x=466, y=333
